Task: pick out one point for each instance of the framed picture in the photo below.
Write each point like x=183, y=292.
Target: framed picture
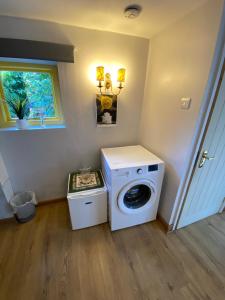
x=106, y=106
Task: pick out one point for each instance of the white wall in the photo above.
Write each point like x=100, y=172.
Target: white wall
x=179, y=62
x=41, y=160
x=5, y=209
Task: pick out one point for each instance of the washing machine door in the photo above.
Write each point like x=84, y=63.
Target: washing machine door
x=136, y=196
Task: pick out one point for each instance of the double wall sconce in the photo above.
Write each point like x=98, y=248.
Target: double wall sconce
x=105, y=81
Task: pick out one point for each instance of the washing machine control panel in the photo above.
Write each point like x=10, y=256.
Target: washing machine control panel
x=135, y=172
x=153, y=168
x=139, y=171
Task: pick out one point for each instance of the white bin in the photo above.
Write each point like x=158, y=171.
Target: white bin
x=23, y=205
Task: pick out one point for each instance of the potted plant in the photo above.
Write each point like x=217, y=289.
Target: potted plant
x=21, y=108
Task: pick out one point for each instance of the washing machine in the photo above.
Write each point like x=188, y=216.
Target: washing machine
x=134, y=179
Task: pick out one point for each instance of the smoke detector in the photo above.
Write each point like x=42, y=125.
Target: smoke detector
x=132, y=11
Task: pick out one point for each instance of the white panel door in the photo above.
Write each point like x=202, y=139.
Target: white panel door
x=3, y=171
x=207, y=189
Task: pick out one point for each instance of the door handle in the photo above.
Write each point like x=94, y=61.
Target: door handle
x=204, y=158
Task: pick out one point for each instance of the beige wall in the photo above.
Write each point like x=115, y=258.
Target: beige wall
x=41, y=160
x=179, y=63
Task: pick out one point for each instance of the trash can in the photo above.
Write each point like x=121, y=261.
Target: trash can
x=23, y=205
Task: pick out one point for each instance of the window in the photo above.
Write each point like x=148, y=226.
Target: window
x=38, y=84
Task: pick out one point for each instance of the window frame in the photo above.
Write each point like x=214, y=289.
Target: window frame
x=5, y=118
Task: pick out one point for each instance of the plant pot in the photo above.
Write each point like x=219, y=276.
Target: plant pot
x=22, y=124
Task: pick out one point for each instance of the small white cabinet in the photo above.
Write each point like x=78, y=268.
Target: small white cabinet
x=87, y=199
x=88, y=208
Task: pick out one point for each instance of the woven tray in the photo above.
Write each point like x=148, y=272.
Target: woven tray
x=85, y=181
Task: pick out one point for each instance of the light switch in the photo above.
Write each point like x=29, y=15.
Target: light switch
x=185, y=103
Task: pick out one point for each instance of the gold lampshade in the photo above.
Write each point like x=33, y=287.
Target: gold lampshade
x=100, y=73
x=121, y=75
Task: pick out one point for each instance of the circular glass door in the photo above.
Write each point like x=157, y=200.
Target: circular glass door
x=136, y=196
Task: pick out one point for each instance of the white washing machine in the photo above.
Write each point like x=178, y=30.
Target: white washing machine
x=134, y=178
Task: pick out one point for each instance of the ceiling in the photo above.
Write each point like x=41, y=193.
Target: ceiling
x=102, y=14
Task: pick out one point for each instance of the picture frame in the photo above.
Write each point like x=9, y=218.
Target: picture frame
x=106, y=110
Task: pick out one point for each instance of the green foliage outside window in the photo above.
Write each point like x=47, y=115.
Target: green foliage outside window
x=34, y=87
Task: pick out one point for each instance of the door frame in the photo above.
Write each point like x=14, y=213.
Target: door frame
x=208, y=103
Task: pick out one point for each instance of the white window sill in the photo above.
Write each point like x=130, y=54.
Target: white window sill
x=46, y=127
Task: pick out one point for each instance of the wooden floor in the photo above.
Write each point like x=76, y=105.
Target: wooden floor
x=44, y=259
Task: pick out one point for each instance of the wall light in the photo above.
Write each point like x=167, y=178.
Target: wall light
x=105, y=81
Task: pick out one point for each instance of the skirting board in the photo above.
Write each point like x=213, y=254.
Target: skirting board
x=45, y=202
x=168, y=228
x=6, y=220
